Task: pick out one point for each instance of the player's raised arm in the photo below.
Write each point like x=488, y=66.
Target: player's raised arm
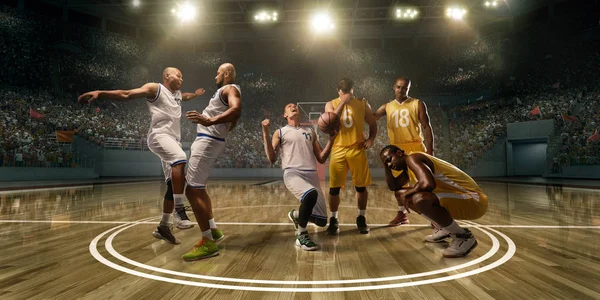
x=271, y=147
x=189, y=96
x=323, y=153
x=148, y=90
x=426, y=125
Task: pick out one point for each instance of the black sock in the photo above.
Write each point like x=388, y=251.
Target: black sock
x=306, y=208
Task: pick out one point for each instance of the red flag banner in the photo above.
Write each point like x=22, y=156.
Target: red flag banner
x=566, y=117
x=97, y=109
x=594, y=137
x=34, y=114
x=535, y=111
x=65, y=136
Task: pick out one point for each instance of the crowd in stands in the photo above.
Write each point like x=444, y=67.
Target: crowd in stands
x=560, y=82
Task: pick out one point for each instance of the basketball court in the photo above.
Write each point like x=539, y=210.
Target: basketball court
x=93, y=240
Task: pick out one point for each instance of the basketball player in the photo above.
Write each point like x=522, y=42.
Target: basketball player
x=164, y=102
x=407, y=123
x=349, y=152
x=300, y=151
x=214, y=124
x=440, y=192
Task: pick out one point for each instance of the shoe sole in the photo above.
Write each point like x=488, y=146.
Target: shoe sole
x=465, y=254
x=291, y=217
x=307, y=248
x=183, y=227
x=398, y=224
x=160, y=237
x=364, y=231
x=438, y=240
x=337, y=232
x=219, y=239
x=202, y=257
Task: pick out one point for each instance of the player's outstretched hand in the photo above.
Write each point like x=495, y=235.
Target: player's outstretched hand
x=88, y=97
x=198, y=118
x=265, y=123
x=200, y=92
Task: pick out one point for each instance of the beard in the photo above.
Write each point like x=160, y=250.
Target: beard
x=219, y=84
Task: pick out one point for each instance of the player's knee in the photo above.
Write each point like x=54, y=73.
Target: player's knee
x=423, y=200
x=310, y=198
x=169, y=192
x=360, y=189
x=334, y=191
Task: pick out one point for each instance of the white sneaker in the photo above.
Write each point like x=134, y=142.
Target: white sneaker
x=439, y=235
x=462, y=245
x=181, y=220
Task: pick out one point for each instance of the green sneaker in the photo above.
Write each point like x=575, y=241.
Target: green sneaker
x=217, y=234
x=293, y=219
x=303, y=242
x=203, y=249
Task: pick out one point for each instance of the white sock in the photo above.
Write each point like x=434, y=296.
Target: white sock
x=212, y=224
x=361, y=212
x=334, y=214
x=402, y=208
x=207, y=235
x=166, y=219
x=453, y=228
x=179, y=200
x=301, y=230
x=296, y=214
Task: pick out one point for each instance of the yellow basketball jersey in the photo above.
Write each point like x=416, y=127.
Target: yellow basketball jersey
x=448, y=178
x=352, y=122
x=403, y=122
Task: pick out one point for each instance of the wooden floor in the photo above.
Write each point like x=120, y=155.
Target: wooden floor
x=95, y=242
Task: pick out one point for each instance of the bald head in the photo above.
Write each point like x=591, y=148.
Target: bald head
x=172, y=78
x=225, y=74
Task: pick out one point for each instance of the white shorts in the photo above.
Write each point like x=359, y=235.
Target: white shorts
x=168, y=149
x=204, y=152
x=301, y=183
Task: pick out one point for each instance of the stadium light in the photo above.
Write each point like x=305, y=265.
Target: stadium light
x=321, y=22
x=456, y=13
x=406, y=13
x=185, y=12
x=264, y=17
x=136, y=3
x=492, y=3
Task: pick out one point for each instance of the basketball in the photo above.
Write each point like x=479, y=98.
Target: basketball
x=328, y=122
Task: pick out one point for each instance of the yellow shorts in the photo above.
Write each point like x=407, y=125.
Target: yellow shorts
x=408, y=148
x=464, y=206
x=344, y=158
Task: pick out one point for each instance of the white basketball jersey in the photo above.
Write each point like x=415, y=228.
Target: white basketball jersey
x=216, y=106
x=166, y=113
x=297, y=148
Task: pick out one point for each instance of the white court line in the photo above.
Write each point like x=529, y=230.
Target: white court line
x=476, y=225
x=510, y=253
x=42, y=189
x=108, y=245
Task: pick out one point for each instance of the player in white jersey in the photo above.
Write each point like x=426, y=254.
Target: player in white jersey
x=214, y=124
x=164, y=102
x=300, y=150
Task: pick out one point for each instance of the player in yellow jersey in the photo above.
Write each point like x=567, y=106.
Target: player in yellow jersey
x=408, y=128
x=439, y=191
x=349, y=152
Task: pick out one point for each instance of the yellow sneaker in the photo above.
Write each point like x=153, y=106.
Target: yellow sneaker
x=203, y=249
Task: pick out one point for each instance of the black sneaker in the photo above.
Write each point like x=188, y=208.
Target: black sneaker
x=361, y=223
x=163, y=232
x=334, y=226
x=181, y=219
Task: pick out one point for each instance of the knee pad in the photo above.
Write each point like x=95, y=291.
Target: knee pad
x=334, y=191
x=318, y=221
x=311, y=198
x=361, y=189
x=169, y=192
